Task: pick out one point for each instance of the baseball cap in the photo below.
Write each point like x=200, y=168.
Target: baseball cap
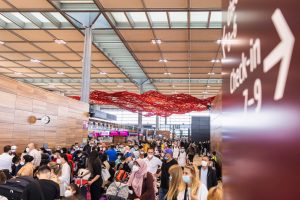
x=169, y=151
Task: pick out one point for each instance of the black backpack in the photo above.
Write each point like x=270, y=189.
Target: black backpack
x=16, y=188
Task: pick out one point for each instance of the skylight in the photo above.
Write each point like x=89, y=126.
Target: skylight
x=216, y=16
x=158, y=16
x=138, y=16
x=199, y=16
x=5, y=19
x=119, y=17
x=59, y=17
x=20, y=17
x=178, y=16
x=40, y=17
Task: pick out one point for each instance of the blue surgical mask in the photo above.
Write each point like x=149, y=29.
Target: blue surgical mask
x=186, y=179
x=166, y=158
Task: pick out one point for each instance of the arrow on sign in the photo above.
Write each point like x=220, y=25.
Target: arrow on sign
x=283, y=51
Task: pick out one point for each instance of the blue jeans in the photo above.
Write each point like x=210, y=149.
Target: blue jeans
x=162, y=193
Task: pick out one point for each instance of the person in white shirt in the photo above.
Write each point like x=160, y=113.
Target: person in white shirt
x=182, y=157
x=37, y=156
x=6, y=158
x=153, y=163
x=65, y=176
x=175, y=151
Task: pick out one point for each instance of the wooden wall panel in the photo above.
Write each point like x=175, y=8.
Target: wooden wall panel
x=19, y=101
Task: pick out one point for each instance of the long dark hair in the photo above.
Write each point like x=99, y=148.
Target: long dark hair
x=94, y=160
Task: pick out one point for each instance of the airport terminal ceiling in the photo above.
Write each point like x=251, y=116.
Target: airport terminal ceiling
x=171, y=45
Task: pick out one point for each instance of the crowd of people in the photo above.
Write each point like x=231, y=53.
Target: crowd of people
x=144, y=170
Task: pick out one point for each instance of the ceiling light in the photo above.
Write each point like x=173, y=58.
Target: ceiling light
x=208, y=86
x=215, y=61
x=163, y=60
x=35, y=60
x=205, y=92
x=167, y=73
x=119, y=86
x=211, y=73
x=18, y=73
x=60, y=73
x=1, y=42
x=57, y=41
x=156, y=41
x=219, y=41
x=103, y=73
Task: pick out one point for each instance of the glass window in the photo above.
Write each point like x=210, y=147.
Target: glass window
x=40, y=17
x=5, y=19
x=178, y=16
x=138, y=16
x=158, y=16
x=21, y=17
x=199, y=19
x=119, y=17
x=59, y=17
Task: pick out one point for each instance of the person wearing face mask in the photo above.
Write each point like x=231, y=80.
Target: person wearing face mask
x=194, y=189
x=27, y=169
x=73, y=193
x=37, y=156
x=141, y=182
x=49, y=188
x=165, y=176
x=207, y=174
x=88, y=148
x=176, y=151
x=17, y=165
x=176, y=182
x=95, y=182
x=65, y=176
x=153, y=163
x=6, y=158
x=182, y=157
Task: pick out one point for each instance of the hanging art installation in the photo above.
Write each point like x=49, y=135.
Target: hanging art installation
x=151, y=103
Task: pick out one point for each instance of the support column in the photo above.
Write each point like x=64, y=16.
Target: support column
x=157, y=123
x=140, y=116
x=86, y=67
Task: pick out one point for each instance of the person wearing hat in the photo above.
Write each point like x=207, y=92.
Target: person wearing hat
x=27, y=169
x=168, y=162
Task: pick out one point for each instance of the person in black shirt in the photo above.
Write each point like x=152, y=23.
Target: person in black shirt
x=49, y=188
x=95, y=182
x=123, y=165
x=17, y=165
x=165, y=176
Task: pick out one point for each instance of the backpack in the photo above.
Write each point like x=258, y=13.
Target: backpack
x=117, y=191
x=121, y=176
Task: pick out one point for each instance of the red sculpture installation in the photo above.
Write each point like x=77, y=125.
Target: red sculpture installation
x=151, y=102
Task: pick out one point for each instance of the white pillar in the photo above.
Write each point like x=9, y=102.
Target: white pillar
x=86, y=67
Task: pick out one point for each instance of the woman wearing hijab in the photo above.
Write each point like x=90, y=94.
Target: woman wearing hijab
x=141, y=181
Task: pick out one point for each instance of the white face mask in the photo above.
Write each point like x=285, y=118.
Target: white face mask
x=135, y=168
x=22, y=163
x=204, y=163
x=68, y=193
x=58, y=161
x=150, y=156
x=182, y=150
x=27, y=150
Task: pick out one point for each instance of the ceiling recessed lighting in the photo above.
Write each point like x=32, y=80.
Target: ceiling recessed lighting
x=208, y=86
x=60, y=73
x=156, y=41
x=167, y=73
x=205, y=92
x=219, y=41
x=103, y=73
x=163, y=60
x=18, y=73
x=211, y=73
x=57, y=41
x=1, y=42
x=119, y=86
x=215, y=61
x=35, y=60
